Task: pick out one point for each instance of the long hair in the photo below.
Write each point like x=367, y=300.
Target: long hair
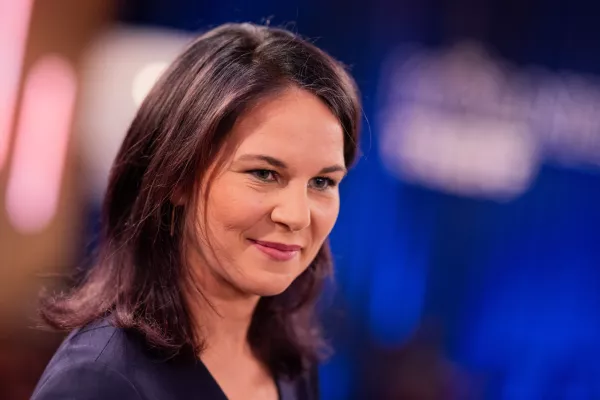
x=179, y=131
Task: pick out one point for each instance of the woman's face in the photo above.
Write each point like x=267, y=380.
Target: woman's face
x=275, y=200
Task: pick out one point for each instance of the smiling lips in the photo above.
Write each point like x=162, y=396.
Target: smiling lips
x=277, y=251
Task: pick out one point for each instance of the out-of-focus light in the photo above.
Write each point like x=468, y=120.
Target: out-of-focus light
x=41, y=144
x=145, y=79
x=464, y=121
x=14, y=21
x=118, y=70
x=462, y=154
x=454, y=122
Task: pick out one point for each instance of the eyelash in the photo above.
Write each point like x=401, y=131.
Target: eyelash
x=255, y=173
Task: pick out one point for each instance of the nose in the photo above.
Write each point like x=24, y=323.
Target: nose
x=292, y=209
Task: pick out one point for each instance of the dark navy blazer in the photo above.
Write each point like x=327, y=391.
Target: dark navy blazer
x=104, y=362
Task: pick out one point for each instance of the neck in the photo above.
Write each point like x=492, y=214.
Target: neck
x=223, y=324
x=221, y=315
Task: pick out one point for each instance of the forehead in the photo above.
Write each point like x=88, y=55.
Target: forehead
x=293, y=125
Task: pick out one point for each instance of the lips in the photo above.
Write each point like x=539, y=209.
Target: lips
x=278, y=246
x=277, y=251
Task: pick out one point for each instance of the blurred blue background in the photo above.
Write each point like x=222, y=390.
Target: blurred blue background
x=467, y=259
x=515, y=286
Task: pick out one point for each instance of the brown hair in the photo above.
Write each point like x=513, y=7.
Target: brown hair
x=175, y=137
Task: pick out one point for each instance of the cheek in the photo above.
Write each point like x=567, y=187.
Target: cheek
x=231, y=208
x=324, y=218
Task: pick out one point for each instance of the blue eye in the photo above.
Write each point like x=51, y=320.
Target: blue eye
x=263, y=174
x=322, y=183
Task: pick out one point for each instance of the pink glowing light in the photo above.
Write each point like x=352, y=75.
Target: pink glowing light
x=41, y=144
x=14, y=21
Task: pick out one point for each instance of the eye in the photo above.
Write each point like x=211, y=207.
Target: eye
x=322, y=183
x=265, y=175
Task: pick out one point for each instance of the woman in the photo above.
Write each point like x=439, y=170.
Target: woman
x=215, y=223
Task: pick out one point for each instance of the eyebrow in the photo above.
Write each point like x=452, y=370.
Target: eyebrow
x=280, y=164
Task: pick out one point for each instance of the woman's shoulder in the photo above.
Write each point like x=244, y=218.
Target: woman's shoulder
x=92, y=362
x=101, y=361
x=98, y=342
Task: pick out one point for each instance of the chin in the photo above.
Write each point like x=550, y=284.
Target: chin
x=270, y=285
